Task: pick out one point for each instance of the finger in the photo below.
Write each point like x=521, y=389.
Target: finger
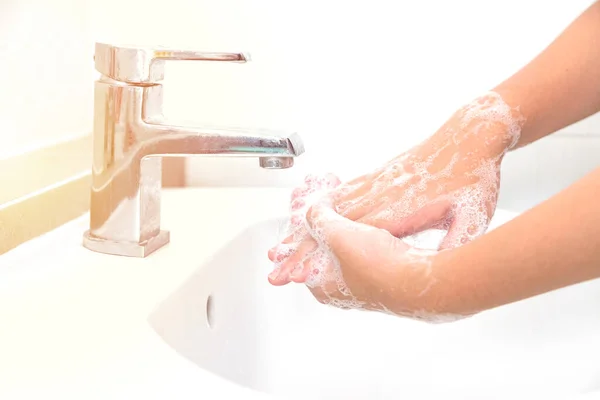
x=395, y=222
x=318, y=262
x=286, y=247
x=468, y=223
x=365, y=198
x=297, y=204
x=361, y=179
x=300, y=201
x=363, y=206
x=290, y=245
x=299, y=192
x=332, y=180
x=355, y=209
x=282, y=275
x=299, y=275
x=326, y=282
x=362, y=201
x=349, y=192
x=341, y=191
x=349, y=241
x=309, y=179
x=297, y=228
x=319, y=294
x=274, y=278
x=304, y=190
x=296, y=220
x=291, y=238
x=282, y=251
x=313, y=183
x=353, y=200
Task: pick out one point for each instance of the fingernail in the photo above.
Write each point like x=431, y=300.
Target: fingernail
x=275, y=273
x=273, y=276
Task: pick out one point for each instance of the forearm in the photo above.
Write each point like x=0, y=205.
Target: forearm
x=553, y=245
x=562, y=84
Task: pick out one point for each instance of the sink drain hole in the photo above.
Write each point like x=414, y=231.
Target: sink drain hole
x=210, y=311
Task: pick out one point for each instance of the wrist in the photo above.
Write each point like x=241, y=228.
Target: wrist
x=487, y=126
x=434, y=294
x=520, y=101
x=453, y=294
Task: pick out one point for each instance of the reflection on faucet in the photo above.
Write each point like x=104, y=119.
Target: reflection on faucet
x=131, y=136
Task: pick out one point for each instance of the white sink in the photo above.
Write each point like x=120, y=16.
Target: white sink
x=75, y=324
x=228, y=320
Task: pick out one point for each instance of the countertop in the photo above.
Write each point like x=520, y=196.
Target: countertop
x=73, y=323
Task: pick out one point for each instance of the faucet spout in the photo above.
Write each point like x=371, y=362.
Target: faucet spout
x=184, y=141
x=130, y=138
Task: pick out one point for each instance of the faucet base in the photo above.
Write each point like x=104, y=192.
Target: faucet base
x=127, y=249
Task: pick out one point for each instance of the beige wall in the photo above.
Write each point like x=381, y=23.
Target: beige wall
x=330, y=62
x=46, y=80
x=46, y=73
x=361, y=81
x=46, y=106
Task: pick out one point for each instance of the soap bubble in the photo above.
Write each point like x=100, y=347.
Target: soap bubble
x=456, y=171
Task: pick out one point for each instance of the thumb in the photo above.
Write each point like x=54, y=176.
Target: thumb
x=422, y=219
x=349, y=241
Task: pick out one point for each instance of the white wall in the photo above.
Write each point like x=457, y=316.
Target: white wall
x=46, y=68
x=361, y=81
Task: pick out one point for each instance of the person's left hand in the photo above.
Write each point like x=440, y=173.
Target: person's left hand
x=382, y=274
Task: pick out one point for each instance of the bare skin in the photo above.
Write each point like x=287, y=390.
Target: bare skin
x=553, y=245
x=559, y=87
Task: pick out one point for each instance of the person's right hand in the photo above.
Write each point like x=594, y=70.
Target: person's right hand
x=450, y=182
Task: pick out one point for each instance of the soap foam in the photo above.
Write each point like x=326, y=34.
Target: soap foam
x=468, y=182
x=473, y=170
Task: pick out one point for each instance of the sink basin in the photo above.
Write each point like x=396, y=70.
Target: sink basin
x=228, y=320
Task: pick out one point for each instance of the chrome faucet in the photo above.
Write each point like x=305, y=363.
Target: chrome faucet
x=131, y=136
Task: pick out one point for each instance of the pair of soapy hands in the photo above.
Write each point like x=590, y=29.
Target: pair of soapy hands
x=345, y=240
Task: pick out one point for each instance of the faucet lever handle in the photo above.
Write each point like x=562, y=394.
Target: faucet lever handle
x=143, y=65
